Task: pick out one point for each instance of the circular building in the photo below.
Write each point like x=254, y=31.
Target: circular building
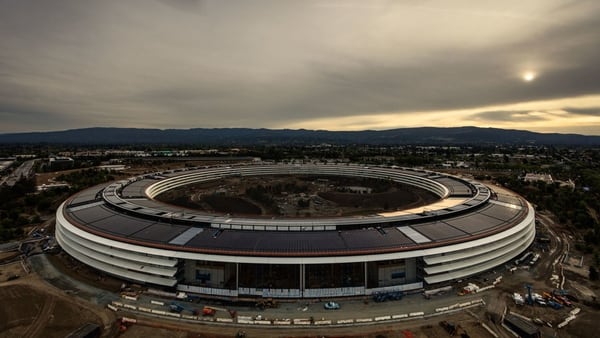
x=121, y=229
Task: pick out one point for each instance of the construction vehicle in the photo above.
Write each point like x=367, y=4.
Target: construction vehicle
x=529, y=298
x=470, y=288
x=208, y=311
x=174, y=307
x=518, y=299
x=563, y=300
x=212, y=310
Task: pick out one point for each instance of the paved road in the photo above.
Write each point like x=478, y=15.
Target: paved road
x=24, y=170
x=46, y=270
x=559, y=247
x=302, y=309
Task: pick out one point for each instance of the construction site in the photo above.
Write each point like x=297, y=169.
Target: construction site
x=543, y=292
x=532, y=297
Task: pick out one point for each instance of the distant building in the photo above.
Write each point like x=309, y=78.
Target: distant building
x=112, y=167
x=60, y=162
x=455, y=164
x=45, y=187
x=25, y=156
x=546, y=178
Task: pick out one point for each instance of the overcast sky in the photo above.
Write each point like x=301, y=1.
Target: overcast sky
x=337, y=65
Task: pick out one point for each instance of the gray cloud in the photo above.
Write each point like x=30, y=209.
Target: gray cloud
x=179, y=64
x=584, y=111
x=504, y=116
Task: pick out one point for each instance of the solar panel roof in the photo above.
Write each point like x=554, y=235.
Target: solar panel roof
x=269, y=235
x=159, y=232
x=438, y=231
x=136, y=189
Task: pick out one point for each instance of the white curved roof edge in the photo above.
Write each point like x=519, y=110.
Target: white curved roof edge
x=527, y=222
x=476, y=250
x=474, y=260
x=151, y=191
x=122, y=273
x=476, y=269
x=106, y=257
x=128, y=255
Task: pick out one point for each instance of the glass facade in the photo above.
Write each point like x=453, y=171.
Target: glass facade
x=232, y=276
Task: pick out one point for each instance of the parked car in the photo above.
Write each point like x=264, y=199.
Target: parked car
x=331, y=306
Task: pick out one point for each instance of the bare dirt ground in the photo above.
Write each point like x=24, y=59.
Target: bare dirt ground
x=4, y=256
x=32, y=308
x=10, y=271
x=423, y=328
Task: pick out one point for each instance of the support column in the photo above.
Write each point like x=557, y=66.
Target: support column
x=365, y=276
x=237, y=276
x=302, y=280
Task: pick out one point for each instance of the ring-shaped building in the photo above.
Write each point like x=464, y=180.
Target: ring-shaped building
x=120, y=229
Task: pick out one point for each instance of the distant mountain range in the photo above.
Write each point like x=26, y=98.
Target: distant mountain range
x=245, y=136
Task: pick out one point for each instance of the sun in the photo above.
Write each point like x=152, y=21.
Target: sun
x=529, y=76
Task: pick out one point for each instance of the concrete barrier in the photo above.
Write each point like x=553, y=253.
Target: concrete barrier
x=189, y=317
x=263, y=322
x=245, y=321
x=566, y=321
x=378, y=319
x=155, y=302
x=345, y=321
x=296, y=320
x=128, y=320
x=176, y=315
x=112, y=307
x=129, y=297
x=485, y=288
x=464, y=304
x=117, y=304
x=416, y=314
x=364, y=320
x=224, y=320
x=158, y=312
x=301, y=322
x=144, y=309
x=404, y=315
x=281, y=322
x=128, y=306
x=323, y=322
